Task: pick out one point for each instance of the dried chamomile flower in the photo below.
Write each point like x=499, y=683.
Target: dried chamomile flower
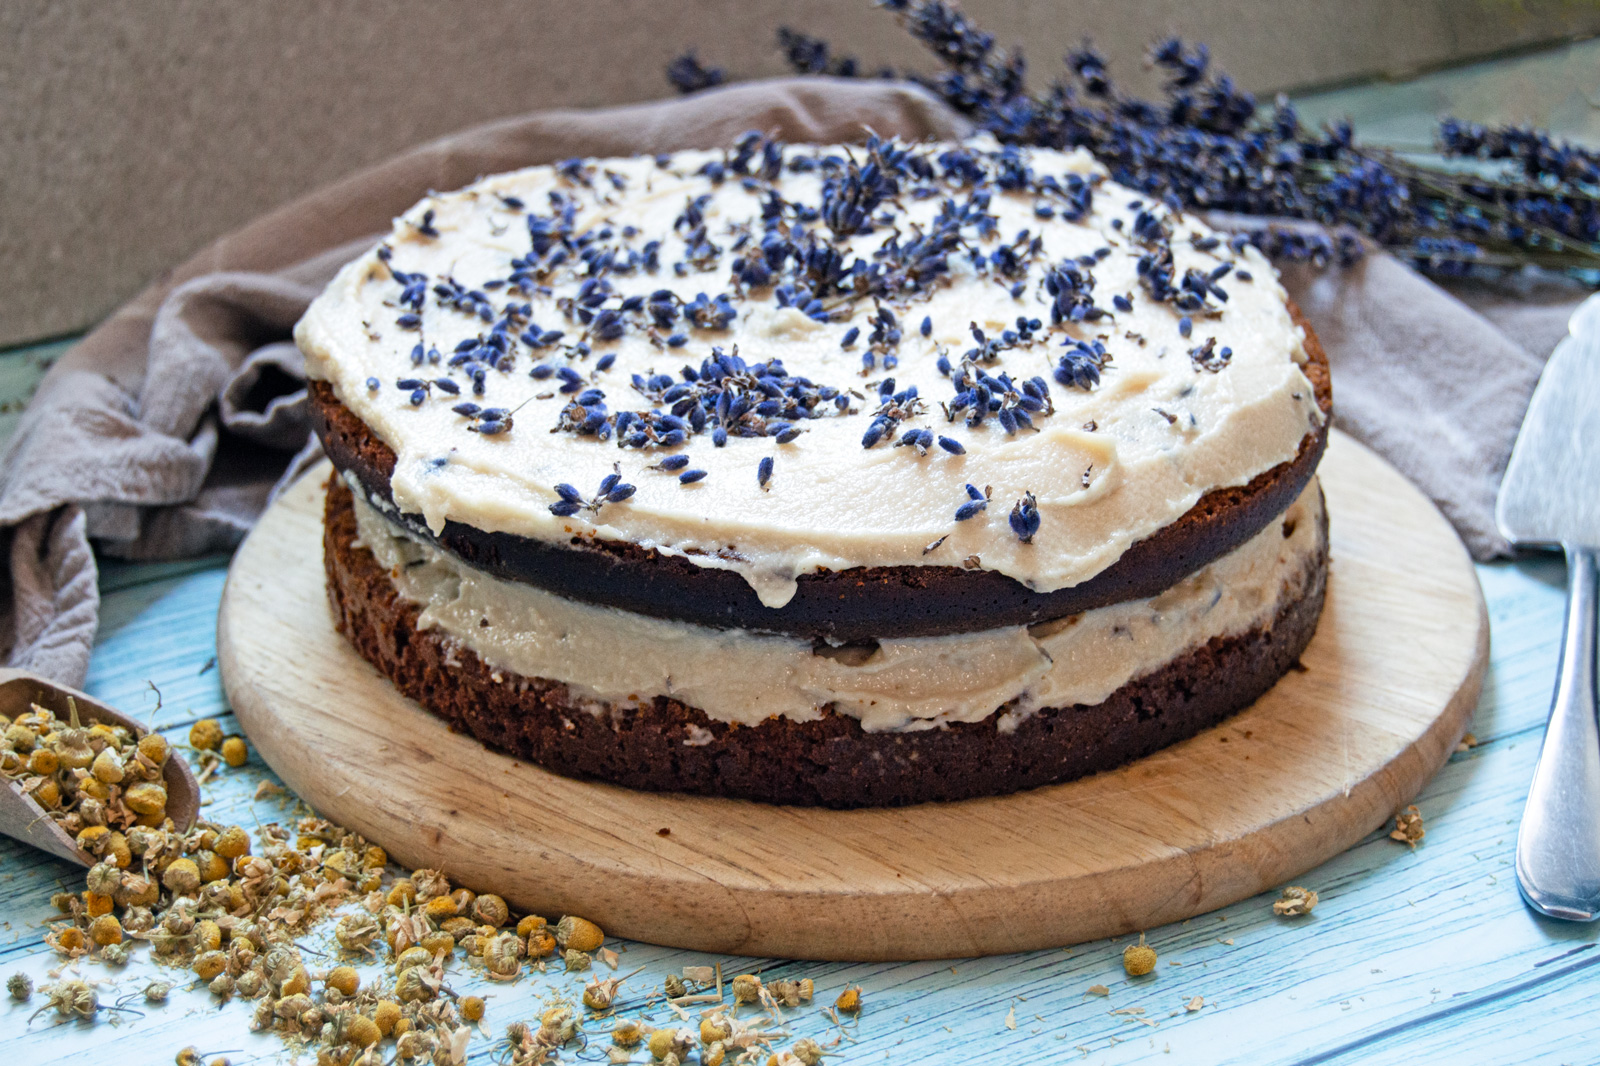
x=234, y=752
x=557, y=1027
x=489, y=909
x=154, y=748
x=713, y=1029
x=472, y=1008
x=205, y=734
x=103, y=879
x=576, y=961
x=343, y=979
x=358, y=1029
x=20, y=985
x=1294, y=901
x=209, y=964
x=138, y=893
x=792, y=993
x=46, y=794
x=156, y=991
x=807, y=1051
x=207, y=935
x=413, y=956
x=107, y=767
x=356, y=932
x=297, y=983
x=385, y=1015
x=292, y=1006
x=413, y=986
x=116, y=954
x=1138, y=959
x=578, y=934
x=105, y=931
x=599, y=995
x=849, y=1000
x=67, y=940
x=182, y=877
x=232, y=843
x=147, y=798
x=430, y=883
x=747, y=988
x=414, y=1046
x=460, y=927
x=439, y=908
x=71, y=997
x=541, y=944
x=1408, y=827
x=627, y=1034
x=503, y=956
x=664, y=1042
x=20, y=738
x=674, y=986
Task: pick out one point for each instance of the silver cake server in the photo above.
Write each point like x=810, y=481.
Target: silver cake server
x=1551, y=497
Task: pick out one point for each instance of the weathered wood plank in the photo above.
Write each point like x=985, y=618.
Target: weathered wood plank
x=1311, y=768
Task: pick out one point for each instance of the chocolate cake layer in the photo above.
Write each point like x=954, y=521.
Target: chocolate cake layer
x=847, y=605
x=667, y=746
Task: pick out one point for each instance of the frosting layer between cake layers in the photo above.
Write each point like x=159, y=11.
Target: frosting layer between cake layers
x=614, y=657
x=1187, y=400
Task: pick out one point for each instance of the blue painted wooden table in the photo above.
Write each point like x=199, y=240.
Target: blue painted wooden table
x=1411, y=956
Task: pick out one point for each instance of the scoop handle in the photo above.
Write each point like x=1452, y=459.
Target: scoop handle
x=1558, y=844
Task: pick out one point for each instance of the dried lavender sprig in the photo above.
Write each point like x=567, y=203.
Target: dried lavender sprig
x=1207, y=145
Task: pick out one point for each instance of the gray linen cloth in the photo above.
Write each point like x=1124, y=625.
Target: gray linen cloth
x=167, y=430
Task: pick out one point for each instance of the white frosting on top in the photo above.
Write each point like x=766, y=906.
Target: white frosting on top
x=1110, y=466
x=614, y=657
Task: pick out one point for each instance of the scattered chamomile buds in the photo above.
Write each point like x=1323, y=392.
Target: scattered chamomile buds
x=747, y=988
x=205, y=734
x=1139, y=959
x=578, y=934
x=1294, y=901
x=234, y=752
x=627, y=1034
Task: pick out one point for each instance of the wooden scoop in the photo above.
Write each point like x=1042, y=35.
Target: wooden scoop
x=24, y=819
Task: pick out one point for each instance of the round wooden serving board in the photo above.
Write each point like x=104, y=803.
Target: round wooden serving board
x=1323, y=759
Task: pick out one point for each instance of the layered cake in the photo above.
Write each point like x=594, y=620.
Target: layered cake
x=854, y=475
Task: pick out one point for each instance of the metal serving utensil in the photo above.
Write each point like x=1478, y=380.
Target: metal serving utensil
x=24, y=819
x=1551, y=497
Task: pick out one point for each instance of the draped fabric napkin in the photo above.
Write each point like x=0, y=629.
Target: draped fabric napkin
x=167, y=430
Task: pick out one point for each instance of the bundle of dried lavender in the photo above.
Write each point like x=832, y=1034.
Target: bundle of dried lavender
x=1208, y=145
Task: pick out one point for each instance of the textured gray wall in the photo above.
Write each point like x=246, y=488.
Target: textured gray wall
x=132, y=133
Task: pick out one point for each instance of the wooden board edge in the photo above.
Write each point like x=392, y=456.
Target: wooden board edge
x=1185, y=884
